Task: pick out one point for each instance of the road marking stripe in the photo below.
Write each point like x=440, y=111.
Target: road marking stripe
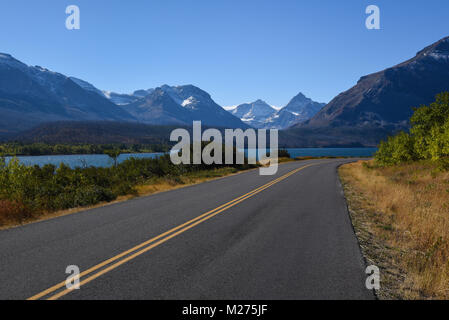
x=62, y=284
x=168, y=235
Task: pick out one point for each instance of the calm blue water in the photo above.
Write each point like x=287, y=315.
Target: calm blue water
x=73, y=161
x=333, y=152
x=100, y=160
x=323, y=152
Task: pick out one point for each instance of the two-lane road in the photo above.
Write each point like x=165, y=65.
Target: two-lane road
x=245, y=236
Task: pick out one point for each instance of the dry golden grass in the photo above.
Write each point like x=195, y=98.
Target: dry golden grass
x=285, y=159
x=162, y=185
x=13, y=212
x=302, y=158
x=401, y=215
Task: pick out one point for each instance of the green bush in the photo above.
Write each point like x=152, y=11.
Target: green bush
x=428, y=138
x=395, y=150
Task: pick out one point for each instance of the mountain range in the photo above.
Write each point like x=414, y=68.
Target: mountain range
x=254, y=114
x=259, y=114
x=181, y=105
x=378, y=105
x=30, y=96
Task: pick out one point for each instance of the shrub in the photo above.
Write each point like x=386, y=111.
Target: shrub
x=428, y=138
x=14, y=212
x=27, y=190
x=395, y=150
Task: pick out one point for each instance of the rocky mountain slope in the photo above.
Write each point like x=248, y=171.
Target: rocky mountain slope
x=32, y=95
x=385, y=99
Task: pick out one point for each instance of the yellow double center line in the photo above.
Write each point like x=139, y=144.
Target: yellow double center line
x=152, y=243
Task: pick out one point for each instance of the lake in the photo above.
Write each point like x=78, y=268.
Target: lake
x=101, y=160
x=333, y=152
x=73, y=161
x=322, y=152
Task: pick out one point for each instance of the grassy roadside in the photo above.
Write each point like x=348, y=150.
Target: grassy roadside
x=401, y=217
x=12, y=216
x=10, y=220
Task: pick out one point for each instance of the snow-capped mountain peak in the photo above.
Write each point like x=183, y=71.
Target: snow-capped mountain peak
x=259, y=114
x=182, y=104
x=255, y=113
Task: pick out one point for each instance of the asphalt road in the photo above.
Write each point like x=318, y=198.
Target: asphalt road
x=290, y=239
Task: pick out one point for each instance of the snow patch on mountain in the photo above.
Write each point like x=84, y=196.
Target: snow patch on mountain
x=187, y=103
x=230, y=108
x=439, y=56
x=255, y=113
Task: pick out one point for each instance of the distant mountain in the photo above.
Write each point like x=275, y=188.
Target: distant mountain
x=32, y=95
x=385, y=99
x=142, y=93
x=254, y=114
x=298, y=110
x=122, y=99
x=181, y=105
x=261, y=115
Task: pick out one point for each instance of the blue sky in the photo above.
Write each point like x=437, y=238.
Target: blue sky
x=237, y=50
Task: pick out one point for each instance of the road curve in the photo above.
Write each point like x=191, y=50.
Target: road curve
x=245, y=237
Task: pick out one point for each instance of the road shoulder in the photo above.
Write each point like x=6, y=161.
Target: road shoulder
x=399, y=218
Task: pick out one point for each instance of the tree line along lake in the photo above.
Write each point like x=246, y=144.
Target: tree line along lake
x=102, y=160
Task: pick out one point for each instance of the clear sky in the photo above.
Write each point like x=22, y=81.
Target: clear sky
x=237, y=50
